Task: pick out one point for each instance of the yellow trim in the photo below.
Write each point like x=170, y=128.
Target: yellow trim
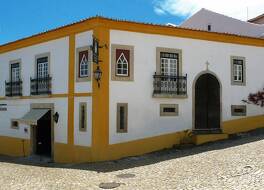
x=201, y=139
x=14, y=146
x=82, y=94
x=71, y=84
x=65, y=153
x=132, y=27
x=100, y=105
x=243, y=124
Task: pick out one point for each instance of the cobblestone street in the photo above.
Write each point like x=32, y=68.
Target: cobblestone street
x=237, y=163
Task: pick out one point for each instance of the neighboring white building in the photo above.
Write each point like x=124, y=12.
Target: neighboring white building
x=211, y=21
x=160, y=86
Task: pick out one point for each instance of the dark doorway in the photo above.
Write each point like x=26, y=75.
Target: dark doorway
x=43, y=135
x=207, y=104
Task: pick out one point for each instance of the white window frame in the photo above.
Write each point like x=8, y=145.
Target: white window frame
x=122, y=63
x=79, y=76
x=238, y=71
x=18, y=70
x=45, y=71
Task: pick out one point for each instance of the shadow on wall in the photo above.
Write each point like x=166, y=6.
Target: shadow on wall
x=147, y=159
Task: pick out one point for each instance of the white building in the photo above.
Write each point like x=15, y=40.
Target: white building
x=211, y=21
x=160, y=86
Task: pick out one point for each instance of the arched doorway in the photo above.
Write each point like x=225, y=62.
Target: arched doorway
x=207, y=104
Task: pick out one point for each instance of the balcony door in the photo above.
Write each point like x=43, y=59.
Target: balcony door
x=207, y=103
x=15, y=72
x=42, y=67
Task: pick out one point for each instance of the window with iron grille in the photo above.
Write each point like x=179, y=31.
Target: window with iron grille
x=83, y=116
x=122, y=114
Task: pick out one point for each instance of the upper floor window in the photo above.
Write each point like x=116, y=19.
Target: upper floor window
x=13, y=87
x=122, y=66
x=122, y=63
x=169, y=63
x=41, y=83
x=83, y=64
x=42, y=67
x=238, y=70
x=15, y=71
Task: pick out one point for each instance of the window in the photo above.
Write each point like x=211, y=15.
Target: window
x=83, y=116
x=169, y=110
x=83, y=64
x=168, y=61
x=209, y=27
x=42, y=66
x=122, y=60
x=122, y=114
x=15, y=72
x=238, y=71
x=238, y=110
x=14, y=124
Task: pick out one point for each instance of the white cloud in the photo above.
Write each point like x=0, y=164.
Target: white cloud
x=233, y=8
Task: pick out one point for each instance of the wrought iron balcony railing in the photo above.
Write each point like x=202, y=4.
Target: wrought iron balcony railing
x=170, y=85
x=13, y=88
x=40, y=86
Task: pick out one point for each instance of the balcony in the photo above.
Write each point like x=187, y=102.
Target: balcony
x=166, y=86
x=13, y=88
x=40, y=86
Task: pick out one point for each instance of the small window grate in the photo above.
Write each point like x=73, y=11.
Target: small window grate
x=169, y=110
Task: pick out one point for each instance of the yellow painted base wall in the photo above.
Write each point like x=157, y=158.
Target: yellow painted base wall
x=14, y=146
x=243, y=125
x=65, y=153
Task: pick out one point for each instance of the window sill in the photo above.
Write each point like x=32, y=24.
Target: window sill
x=170, y=96
x=12, y=97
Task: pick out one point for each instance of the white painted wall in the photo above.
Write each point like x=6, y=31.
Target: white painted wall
x=143, y=110
x=83, y=138
x=16, y=109
x=59, y=64
x=82, y=40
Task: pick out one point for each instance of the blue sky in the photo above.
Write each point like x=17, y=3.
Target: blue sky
x=21, y=18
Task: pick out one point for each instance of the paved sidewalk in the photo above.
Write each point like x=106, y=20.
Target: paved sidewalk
x=232, y=164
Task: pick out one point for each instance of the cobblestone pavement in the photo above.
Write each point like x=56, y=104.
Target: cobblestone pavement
x=237, y=163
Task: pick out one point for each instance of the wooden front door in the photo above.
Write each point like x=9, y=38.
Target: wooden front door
x=207, y=103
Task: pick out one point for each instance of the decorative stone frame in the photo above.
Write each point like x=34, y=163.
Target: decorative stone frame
x=36, y=63
x=241, y=107
x=78, y=50
x=85, y=116
x=168, y=50
x=130, y=76
x=118, y=130
x=33, y=131
x=19, y=61
x=207, y=71
x=175, y=106
x=232, y=71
